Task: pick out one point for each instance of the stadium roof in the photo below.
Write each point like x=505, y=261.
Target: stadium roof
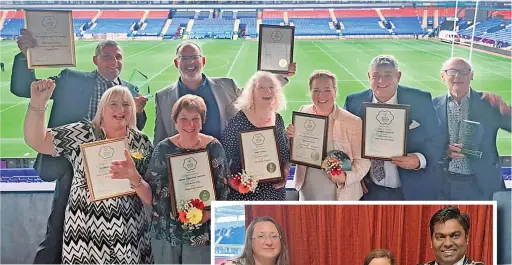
x=232, y=210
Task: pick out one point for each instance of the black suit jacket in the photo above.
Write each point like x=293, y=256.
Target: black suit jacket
x=487, y=168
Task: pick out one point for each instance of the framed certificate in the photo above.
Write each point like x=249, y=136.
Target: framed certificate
x=309, y=145
x=53, y=33
x=259, y=154
x=275, y=50
x=190, y=178
x=385, y=129
x=97, y=157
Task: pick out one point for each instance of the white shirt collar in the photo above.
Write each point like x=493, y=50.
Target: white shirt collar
x=392, y=100
x=460, y=262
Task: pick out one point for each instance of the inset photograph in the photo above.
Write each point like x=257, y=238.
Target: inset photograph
x=354, y=234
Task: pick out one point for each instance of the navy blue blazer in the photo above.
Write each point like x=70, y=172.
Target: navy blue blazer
x=71, y=99
x=487, y=168
x=420, y=184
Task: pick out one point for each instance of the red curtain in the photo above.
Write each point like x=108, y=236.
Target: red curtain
x=345, y=234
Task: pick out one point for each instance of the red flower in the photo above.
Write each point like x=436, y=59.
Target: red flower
x=237, y=181
x=243, y=189
x=336, y=171
x=197, y=204
x=183, y=216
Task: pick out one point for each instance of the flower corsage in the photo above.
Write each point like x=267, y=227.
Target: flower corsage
x=245, y=182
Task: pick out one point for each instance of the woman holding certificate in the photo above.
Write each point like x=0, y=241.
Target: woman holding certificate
x=259, y=105
x=183, y=184
x=104, y=220
x=344, y=134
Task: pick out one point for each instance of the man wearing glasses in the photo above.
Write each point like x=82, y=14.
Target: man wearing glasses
x=469, y=177
x=219, y=94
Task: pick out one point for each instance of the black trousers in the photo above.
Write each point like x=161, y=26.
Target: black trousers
x=461, y=187
x=50, y=249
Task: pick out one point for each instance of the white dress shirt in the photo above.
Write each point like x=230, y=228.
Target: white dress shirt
x=392, y=179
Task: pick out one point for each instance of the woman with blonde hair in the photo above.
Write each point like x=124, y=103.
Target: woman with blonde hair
x=112, y=230
x=171, y=242
x=259, y=105
x=344, y=134
x=265, y=243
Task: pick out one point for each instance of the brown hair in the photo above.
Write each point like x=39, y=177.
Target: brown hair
x=248, y=254
x=189, y=102
x=380, y=253
x=323, y=74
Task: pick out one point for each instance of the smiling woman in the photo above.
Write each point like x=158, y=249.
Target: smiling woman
x=172, y=242
x=110, y=217
x=265, y=243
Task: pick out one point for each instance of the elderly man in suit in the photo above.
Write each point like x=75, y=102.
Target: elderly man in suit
x=219, y=94
x=468, y=177
x=76, y=97
x=407, y=177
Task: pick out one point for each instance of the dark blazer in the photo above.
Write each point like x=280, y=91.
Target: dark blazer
x=71, y=98
x=488, y=168
x=416, y=184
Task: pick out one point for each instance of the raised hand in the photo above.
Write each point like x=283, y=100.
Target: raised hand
x=140, y=103
x=292, y=68
x=25, y=41
x=497, y=101
x=40, y=92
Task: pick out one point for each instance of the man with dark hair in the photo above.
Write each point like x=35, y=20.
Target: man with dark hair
x=380, y=257
x=76, y=97
x=2, y=66
x=449, y=230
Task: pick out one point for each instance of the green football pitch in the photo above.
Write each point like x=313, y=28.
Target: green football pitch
x=420, y=62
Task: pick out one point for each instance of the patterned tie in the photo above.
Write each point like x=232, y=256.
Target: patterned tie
x=377, y=169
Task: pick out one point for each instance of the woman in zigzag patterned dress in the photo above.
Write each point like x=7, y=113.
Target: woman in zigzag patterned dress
x=109, y=231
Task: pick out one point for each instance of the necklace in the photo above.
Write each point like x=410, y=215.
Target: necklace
x=182, y=147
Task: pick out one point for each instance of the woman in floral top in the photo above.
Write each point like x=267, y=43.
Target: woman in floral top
x=172, y=243
x=265, y=243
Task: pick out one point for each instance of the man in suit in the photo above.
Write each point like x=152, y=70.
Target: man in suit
x=75, y=98
x=219, y=94
x=468, y=177
x=449, y=230
x=404, y=177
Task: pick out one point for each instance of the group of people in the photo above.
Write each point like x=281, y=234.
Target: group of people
x=265, y=242
x=199, y=112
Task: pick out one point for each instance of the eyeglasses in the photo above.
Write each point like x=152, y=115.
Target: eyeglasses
x=190, y=58
x=272, y=237
x=453, y=72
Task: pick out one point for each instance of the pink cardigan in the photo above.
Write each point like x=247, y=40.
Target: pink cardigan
x=347, y=131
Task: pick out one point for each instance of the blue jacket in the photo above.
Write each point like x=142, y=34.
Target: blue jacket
x=420, y=184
